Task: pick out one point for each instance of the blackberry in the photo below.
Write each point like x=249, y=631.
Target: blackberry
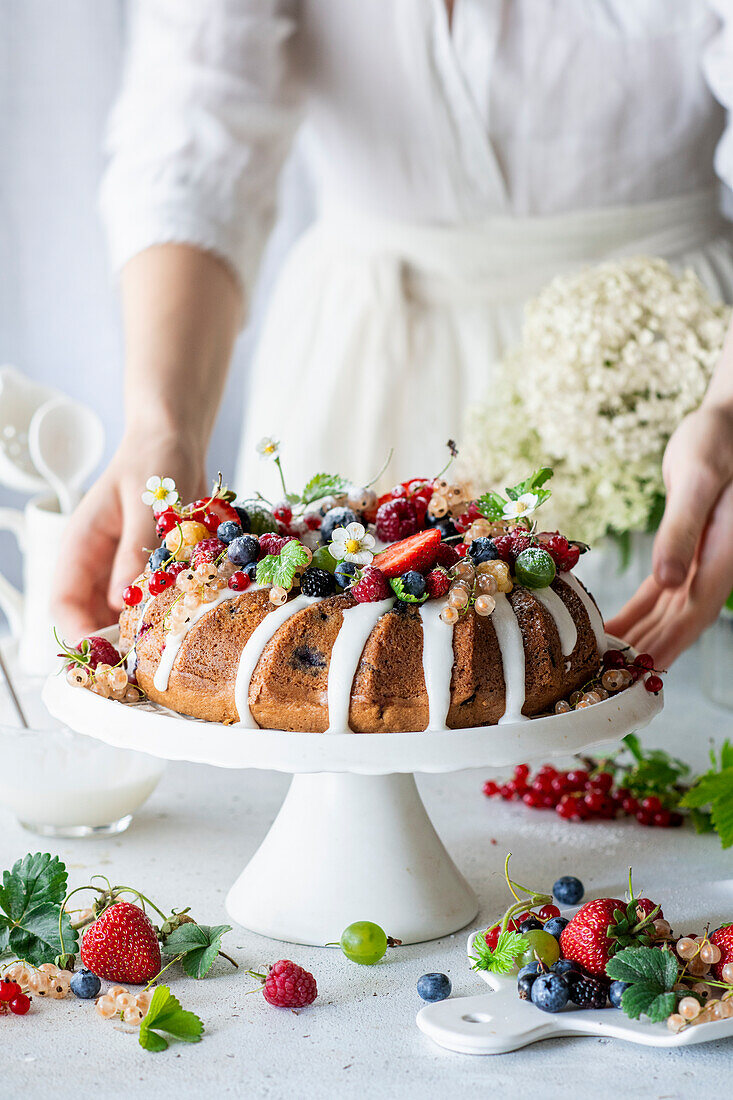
x=589, y=993
x=336, y=517
x=483, y=549
x=316, y=582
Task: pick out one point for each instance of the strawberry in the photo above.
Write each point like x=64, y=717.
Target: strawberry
x=437, y=583
x=417, y=552
x=122, y=945
x=601, y=928
x=723, y=938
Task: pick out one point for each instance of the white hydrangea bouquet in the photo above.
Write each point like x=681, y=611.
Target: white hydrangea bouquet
x=610, y=360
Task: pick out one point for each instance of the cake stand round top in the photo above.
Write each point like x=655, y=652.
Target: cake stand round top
x=147, y=727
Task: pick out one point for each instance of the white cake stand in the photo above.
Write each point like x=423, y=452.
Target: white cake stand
x=352, y=840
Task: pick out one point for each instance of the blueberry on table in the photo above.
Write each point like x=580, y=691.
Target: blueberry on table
x=556, y=925
x=550, y=992
x=434, y=987
x=524, y=986
x=85, y=985
x=568, y=890
x=616, y=992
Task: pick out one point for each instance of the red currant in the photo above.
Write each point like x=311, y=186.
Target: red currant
x=462, y=522
x=132, y=595
x=462, y=549
x=644, y=660
x=644, y=818
x=651, y=804
x=613, y=658
x=533, y=799
x=549, y=801
x=547, y=912
x=490, y=787
x=165, y=521
x=557, y=547
x=283, y=512
x=653, y=684
x=312, y=521
x=159, y=581
x=571, y=558
x=239, y=581
x=560, y=783
x=603, y=781
x=20, y=1004
x=595, y=801
x=661, y=819
x=508, y=791
x=577, y=779
x=9, y=990
x=630, y=805
x=521, y=772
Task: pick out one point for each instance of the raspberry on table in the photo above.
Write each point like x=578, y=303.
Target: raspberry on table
x=288, y=985
x=396, y=519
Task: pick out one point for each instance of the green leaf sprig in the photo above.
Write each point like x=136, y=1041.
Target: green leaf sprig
x=510, y=945
x=280, y=569
x=33, y=924
x=492, y=504
x=196, y=947
x=651, y=973
x=165, y=1014
x=710, y=799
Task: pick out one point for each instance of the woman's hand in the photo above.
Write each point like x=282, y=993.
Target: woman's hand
x=101, y=551
x=693, y=549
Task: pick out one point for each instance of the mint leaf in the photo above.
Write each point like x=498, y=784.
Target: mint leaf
x=31, y=897
x=323, y=485
x=502, y=958
x=165, y=1014
x=291, y=558
x=398, y=587
x=199, y=944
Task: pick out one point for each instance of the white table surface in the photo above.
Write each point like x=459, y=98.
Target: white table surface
x=359, y=1039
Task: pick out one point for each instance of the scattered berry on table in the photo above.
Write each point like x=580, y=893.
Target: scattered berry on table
x=317, y=582
x=588, y=992
x=568, y=890
x=434, y=987
x=85, y=984
x=239, y=581
x=550, y=992
x=616, y=992
x=122, y=945
x=397, y=520
x=371, y=587
x=344, y=573
x=132, y=595
x=243, y=550
x=336, y=517
x=363, y=942
x=288, y=985
x=555, y=926
x=228, y=531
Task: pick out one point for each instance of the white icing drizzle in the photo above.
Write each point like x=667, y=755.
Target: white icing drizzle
x=252, y=652
x=437, y=661
x=131, y=658
x=509, y=636
x=592, y=611
x=173, y=641
x=563, y=619
x=358, y=623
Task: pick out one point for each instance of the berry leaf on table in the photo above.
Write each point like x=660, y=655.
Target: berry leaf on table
x=165, y=1014
x=323, y=485
x=31, y=897
x=197, y=945
x=652, y=974
x=500, y=959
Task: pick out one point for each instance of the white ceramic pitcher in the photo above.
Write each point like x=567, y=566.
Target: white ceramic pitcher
x=38, y=529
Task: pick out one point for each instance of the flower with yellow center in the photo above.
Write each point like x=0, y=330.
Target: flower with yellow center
x=352, y=543
x=268, y=447
x=522, y=506
x=160, y=493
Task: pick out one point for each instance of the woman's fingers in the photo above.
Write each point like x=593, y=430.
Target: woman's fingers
x=80, y=587
x=640, y=604
x=693, y=491
x=129, y=560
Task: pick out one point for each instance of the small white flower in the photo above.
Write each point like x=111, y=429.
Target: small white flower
x=160, y=493
x=522, y=506
x=352, y=543
x=268, y=447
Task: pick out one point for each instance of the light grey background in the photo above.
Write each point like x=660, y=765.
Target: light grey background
x=60, y=64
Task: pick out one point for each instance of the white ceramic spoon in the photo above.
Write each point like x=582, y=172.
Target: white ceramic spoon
x=66, y=440
x=19, y=399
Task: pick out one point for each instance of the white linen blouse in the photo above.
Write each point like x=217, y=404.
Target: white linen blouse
x=521, y=107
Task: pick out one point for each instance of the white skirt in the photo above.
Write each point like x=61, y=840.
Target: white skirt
x=379, y=335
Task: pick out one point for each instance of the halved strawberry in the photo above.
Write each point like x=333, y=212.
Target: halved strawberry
x=416, y=552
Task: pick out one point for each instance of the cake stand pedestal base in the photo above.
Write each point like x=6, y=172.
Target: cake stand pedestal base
x=348, y=847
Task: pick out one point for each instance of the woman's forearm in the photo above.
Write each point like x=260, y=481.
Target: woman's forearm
x=182, y=309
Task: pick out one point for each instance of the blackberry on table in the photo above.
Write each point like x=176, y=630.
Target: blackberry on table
x=589, y=993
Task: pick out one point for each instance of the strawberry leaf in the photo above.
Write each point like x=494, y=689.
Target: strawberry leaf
x=291, y=558
x=31, y=897
x=198, y=944
x=532, y=484
x=323, y=485
x=652, y=974
x=644, y=998
x=266, y=569
x=165, y=1014
x=491, y=505
x=500, y=959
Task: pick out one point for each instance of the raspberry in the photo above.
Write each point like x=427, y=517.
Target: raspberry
x=176, y=567
x=100, y=652
x=372, y=586
x=446, y=555
x=206, y=551
x=289, y=986
x=317, y=582
x=396, y=519
x=273, y=544
x=503, y=544
x=520, y=543
x=437, y=583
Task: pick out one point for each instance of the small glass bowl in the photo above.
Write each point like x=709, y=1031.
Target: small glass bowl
x=61, y=784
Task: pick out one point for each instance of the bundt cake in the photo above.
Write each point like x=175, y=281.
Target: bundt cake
x=423, y=609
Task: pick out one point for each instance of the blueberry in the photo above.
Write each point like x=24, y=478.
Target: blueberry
x=445, y=525
x=556, y=925
x=251, y=570
x=615, y=993
x=567, y=967
x=159, y=557
x=345, y=573
x=434, y=987
x=524, y=986
x=335, y=517
x=228, y=530
x=413, y=583
x=482, y=549
x=550, y=992
x=243, y=550
x=530, y=970
x=530, y=924
x=568, y=890
x=84, y=984
x=244, y=521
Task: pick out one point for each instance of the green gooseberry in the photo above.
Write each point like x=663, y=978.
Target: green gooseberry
x=261, y=519
x=534, y=568
x=323, y=559
x=364, y=942
x=542, y=946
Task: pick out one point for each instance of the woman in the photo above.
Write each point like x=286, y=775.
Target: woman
x=463, y=152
